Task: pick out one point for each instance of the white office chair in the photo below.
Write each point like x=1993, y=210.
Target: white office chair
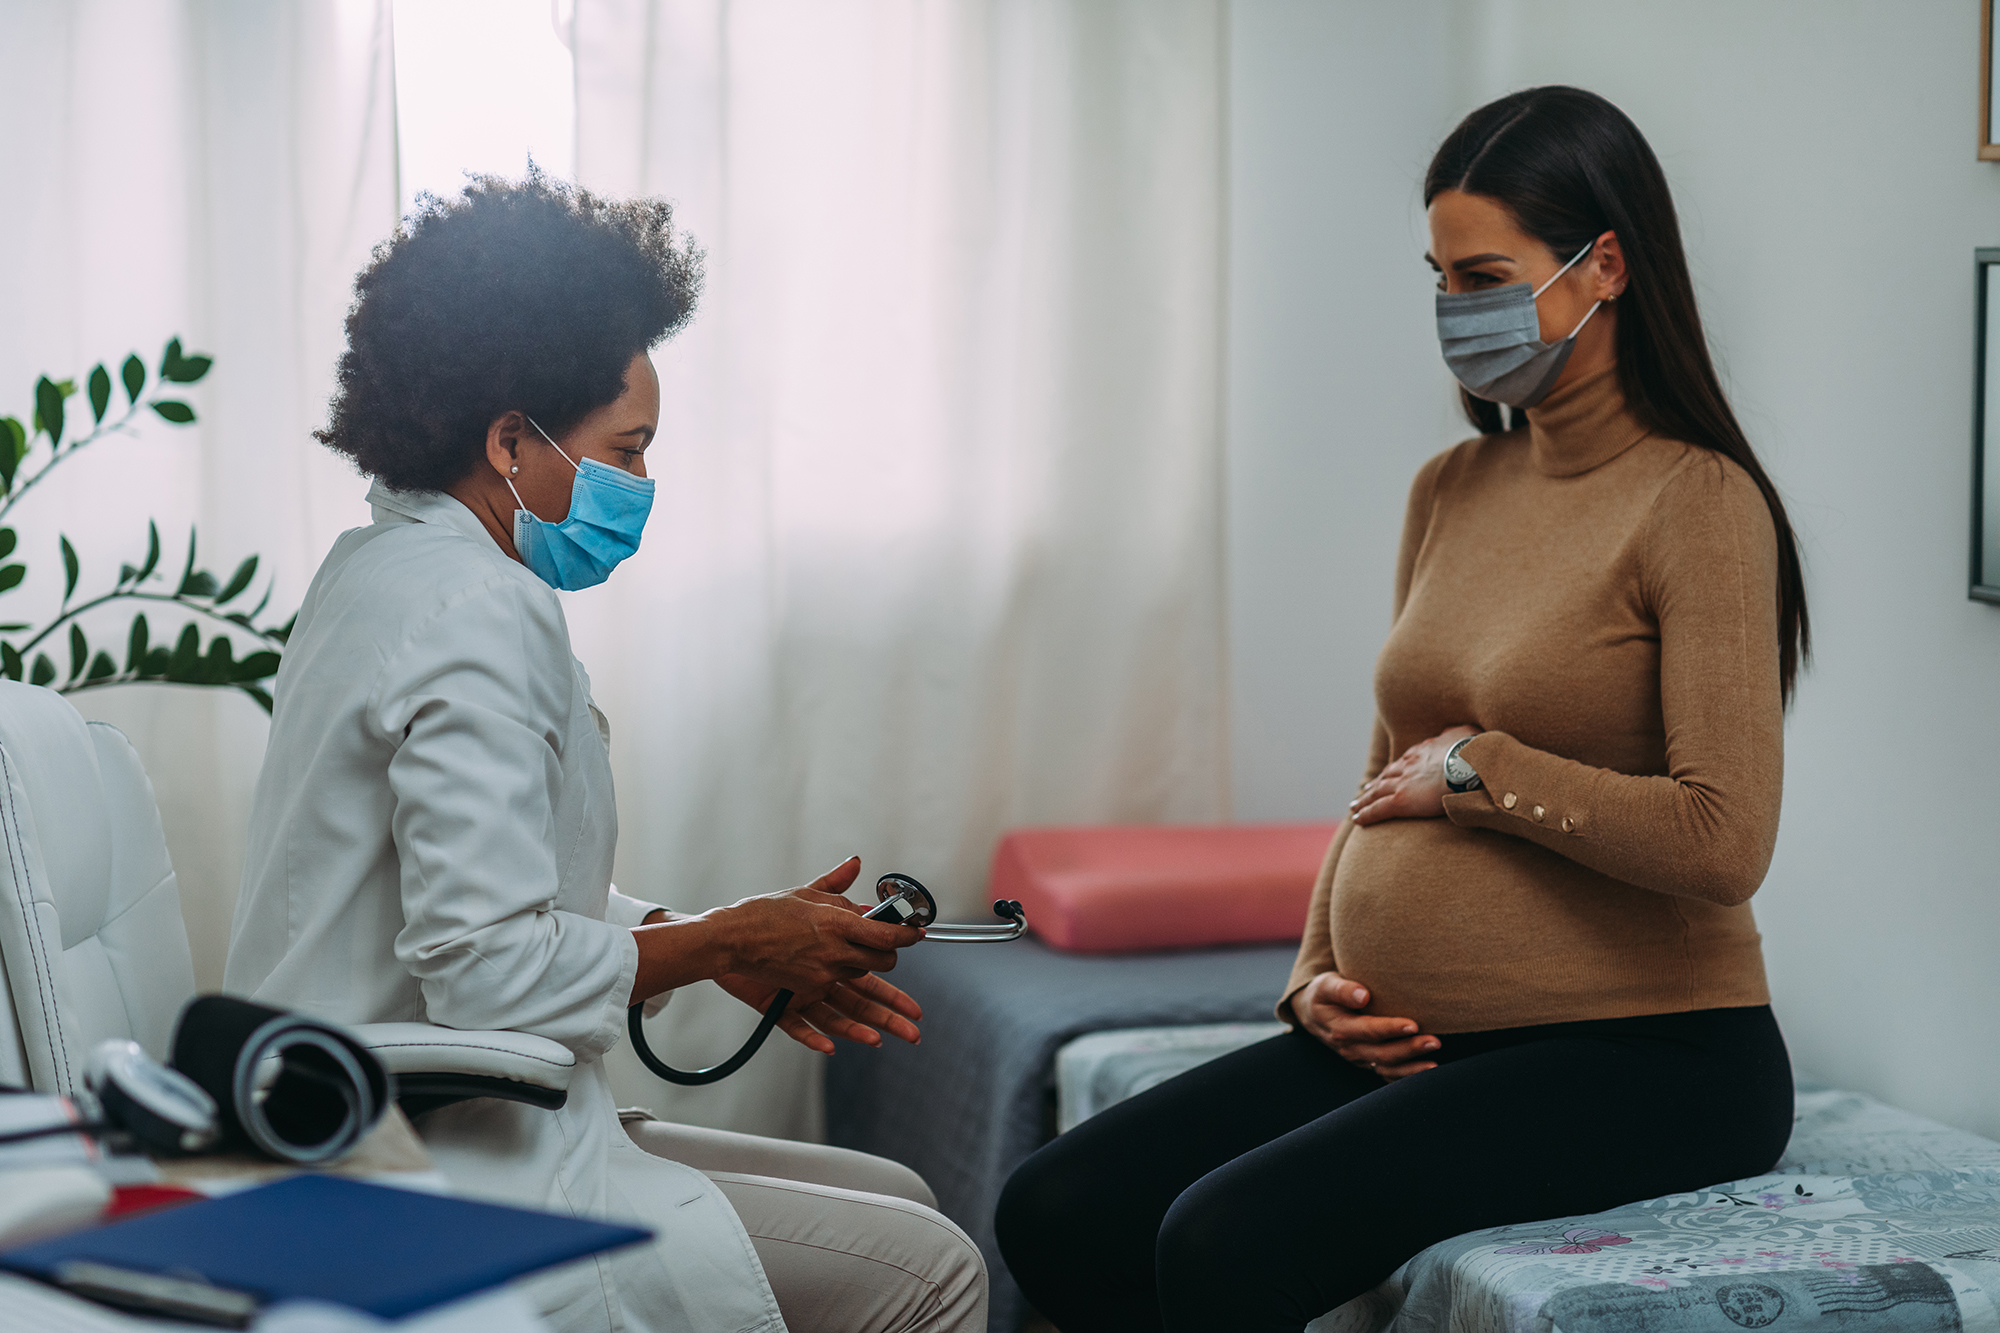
x=92, y=944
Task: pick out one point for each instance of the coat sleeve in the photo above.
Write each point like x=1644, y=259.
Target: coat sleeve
x=625, y=910
x=475, y=703
x=1316, y=945
x=1707, y=827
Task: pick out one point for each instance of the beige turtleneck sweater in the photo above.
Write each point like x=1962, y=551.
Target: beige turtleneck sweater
x=1602, y=604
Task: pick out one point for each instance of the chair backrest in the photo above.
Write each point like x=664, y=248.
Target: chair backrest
x=92, y=944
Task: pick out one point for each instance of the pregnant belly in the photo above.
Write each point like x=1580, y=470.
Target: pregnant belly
x=1467, y=930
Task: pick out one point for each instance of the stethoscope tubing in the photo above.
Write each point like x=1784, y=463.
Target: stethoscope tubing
x=893, y=890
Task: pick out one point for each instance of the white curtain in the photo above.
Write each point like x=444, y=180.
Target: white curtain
x=937, y=544
x=216, y=169
x=937, y=550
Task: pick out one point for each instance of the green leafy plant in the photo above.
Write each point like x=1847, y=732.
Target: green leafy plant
x=198, y=594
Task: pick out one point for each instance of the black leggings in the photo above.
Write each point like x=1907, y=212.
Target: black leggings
x=1267, y=1187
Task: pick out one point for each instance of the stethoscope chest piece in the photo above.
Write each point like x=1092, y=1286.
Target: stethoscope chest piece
x=914, y=905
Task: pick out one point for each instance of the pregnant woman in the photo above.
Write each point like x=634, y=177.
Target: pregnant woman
x=1530, y=985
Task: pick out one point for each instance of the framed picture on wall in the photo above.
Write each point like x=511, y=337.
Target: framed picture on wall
x=1989, y=113
x=1986, y=429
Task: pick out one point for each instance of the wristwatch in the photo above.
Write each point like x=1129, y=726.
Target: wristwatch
x=1459, y=775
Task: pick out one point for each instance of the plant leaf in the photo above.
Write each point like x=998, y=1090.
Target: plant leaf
x=11, y=576
x=186, y=658
x=187, y=574
x=219, y=665
x=157, y=660
x=263, y=699
x=174, y=410
x=180, y=368
x=283, y=634
x=13, y=448
x=102, y=667
x=69, y=567
x=238, y=581
x=201, y=583
x=6, y=542
x=133, y=372
x=100, y=391
x=49, y=409
x=137, y=644
x=10, y=661
x=152, y=552
x=257, y=666
x=44, y=672
x=79, y=650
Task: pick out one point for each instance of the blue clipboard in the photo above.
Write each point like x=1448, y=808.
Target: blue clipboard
x=389, y=1252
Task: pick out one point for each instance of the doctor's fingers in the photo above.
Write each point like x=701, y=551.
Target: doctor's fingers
x=876, y=935
x=833, y=1023
x=805, y=1034
x=837, y=880
x=879, y=990
x=849, y=1002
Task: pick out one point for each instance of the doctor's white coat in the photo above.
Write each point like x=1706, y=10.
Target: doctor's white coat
x=432, y=840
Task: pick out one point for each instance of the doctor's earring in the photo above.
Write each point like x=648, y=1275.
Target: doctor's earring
x=514, y=471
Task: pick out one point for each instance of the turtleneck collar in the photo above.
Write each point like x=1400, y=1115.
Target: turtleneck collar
x=1582, y=425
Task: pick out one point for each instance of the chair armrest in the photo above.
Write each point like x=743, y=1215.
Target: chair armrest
x=435, y=1066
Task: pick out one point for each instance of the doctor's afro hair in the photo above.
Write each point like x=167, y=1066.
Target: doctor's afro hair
x=532, y=295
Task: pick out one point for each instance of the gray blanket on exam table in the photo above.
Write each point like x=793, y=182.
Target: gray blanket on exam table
x=965, y=1107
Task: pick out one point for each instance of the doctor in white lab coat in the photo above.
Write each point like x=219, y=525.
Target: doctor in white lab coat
x=434, y=826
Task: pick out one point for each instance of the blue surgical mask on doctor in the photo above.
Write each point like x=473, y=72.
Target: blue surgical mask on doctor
x=607, y=512
x=1492, y=340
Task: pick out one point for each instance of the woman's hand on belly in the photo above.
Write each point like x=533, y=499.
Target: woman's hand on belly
x=1332, y=1008
x=1413, y=786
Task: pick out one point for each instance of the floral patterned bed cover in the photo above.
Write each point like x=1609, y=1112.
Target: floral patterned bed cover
x=1875, y=1219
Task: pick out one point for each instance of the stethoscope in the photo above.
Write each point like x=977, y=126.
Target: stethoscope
x=904, y=902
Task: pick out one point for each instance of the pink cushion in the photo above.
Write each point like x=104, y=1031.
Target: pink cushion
x=1124, y=888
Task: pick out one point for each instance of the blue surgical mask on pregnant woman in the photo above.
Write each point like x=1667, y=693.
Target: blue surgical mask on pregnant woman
x=607, y=512
x=1492, y=340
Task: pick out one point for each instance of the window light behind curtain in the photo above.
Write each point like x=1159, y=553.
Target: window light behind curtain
x=937, y=541
x=217, y=169
x=936, y=549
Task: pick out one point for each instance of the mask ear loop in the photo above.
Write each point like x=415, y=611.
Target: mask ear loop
x=572, y=462
x=1538, y=292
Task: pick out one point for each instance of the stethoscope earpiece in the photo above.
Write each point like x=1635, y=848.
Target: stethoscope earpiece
x=906, y=902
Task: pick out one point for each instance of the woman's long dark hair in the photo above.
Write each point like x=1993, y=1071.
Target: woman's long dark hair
x=1570, y=166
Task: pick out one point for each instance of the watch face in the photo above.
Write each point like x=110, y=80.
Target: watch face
x=1456, y=770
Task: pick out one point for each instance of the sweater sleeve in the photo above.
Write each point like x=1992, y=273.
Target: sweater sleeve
x=1706, y=828
x=1316, y=945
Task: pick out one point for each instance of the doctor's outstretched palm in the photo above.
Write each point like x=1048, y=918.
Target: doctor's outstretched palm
x=810, y=941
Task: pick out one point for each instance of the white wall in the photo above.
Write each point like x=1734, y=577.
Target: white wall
x=1822, y=154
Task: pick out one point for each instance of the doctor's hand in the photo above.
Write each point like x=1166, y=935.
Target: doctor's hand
x=1413, y=786
x=807, y=940
x=1331, y=1008
x=845, y=1011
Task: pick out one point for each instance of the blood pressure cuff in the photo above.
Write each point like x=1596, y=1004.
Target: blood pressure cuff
x=288, y=1086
